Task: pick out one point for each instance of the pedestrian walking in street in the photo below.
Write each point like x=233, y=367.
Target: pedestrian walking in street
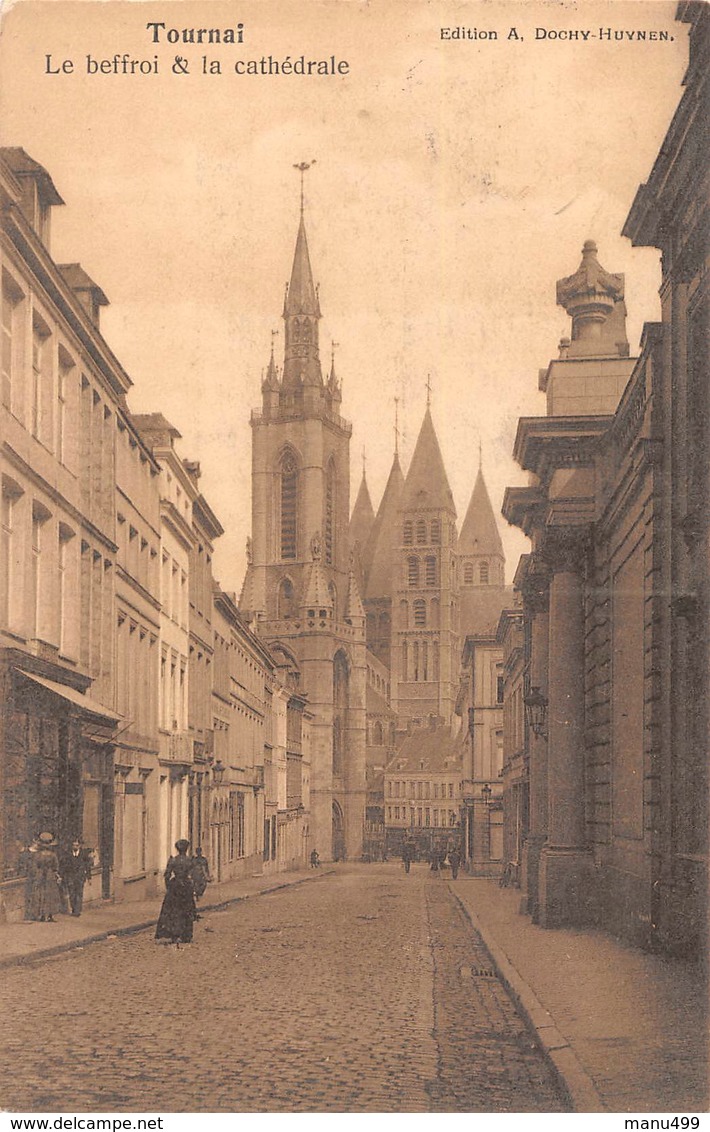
x=24, y=869
x=75, y=866
x=200, y=874
x=454, y=861
x=178, y=912
x=408, y=851
x=315, y=859
x=44, y=894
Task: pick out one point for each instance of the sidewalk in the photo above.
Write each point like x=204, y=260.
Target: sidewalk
x=626, y=1031
x=25, y=942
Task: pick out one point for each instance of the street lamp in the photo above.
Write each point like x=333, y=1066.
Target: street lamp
x=536, y=711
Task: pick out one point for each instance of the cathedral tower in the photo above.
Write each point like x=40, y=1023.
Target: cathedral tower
x=425, y=659
x=300, y=585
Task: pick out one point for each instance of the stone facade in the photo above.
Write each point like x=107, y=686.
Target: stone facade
x=615, y=592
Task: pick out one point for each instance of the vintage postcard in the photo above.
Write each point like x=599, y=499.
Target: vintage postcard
x=353, y=564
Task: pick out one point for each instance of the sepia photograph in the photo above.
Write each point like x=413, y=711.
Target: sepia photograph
x=354, y=561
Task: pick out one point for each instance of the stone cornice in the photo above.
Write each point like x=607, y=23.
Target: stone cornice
x=543, y=444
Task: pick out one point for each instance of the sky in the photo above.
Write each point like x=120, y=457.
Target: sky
x=454, y=182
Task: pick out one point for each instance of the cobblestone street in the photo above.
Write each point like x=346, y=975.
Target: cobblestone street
x=363, y=991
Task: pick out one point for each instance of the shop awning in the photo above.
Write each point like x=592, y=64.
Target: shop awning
x=76, y=699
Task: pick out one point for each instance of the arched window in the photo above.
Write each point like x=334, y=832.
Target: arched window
x=403, y=615
x=329, y=517
x=420, y=614
x=468, y=574
x=407, y=533
x=425, y=660
x=286, y=600
x=435, y=674
x=413, y=571
x=483, y=573
x=340, y=712
x=289, y=505
x=435, y=532
x=421, y=531
x=430, y=570
x=378, y=737
x=405, y=659
x=333, y=594
x=296, y=330
x=415, y=651
x=306, y=331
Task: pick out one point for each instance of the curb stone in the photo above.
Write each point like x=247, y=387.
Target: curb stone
x=145, y=925
x=573, y=1078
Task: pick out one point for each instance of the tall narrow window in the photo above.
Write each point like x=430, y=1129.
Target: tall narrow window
x=289, y=505
x=63, y=377
x=483, y=573
x=408, y=533
x=415, y=659
x=430, y=570
x=40, y=353
x=286, y=601
x=66, y=534
x=340, y=712
x=11, y=492
x=435, y=532
x=425, y=660
x=468, y=574
x=39, y=518
x=421, y=531
x=420, y=614
x=413, y=571
x=329, y=524
x=404, y=660
x=11, y=297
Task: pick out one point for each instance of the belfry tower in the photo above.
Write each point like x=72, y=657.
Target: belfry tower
x=300, y=585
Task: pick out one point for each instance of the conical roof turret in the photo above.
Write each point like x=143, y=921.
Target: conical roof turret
x=301, y=296
x=301, y=314
x=362, y=518
x=426, y=486
x=379, y=552
x=479, y=533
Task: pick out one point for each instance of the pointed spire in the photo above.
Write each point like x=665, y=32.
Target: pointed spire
x=362, y=518
x=479, y=533
x=271, y=380
x=379, y=552
x=301, y=297
x=354, y=609
x=427, y=485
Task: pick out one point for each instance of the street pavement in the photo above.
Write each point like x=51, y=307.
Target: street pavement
x=368, y=991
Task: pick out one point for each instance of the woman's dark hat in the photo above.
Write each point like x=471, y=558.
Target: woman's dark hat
x=182, y=844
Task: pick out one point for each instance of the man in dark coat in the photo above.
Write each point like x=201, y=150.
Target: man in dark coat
x=75, y=866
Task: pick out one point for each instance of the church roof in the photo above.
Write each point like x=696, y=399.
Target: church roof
x=426, y=485
x=379, y=552
x=301, y=297
x=362, y=518
x=479, y=533
x=428, y=750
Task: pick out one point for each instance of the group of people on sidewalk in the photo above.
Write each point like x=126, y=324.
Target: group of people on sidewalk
x=54, y=877
x=438, y=856
x=186, y=878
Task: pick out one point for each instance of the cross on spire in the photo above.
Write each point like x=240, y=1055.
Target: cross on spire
x=303, y=167
x=428, y=390
x=396, y=426
x=364, y=461
x=480, y=453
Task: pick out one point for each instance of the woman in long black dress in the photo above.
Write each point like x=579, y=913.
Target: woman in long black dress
x=178, y=912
